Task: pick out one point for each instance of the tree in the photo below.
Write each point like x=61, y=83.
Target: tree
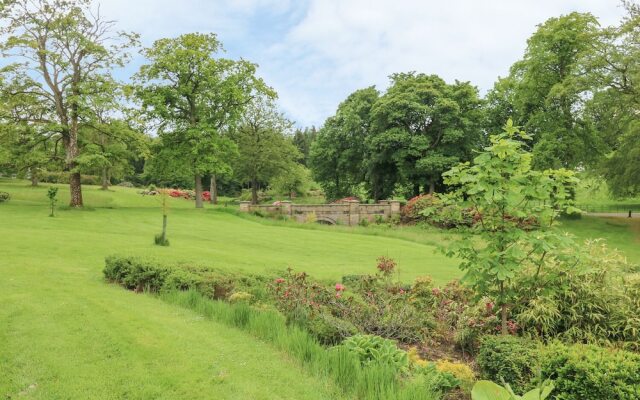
x=292, y=181
x=303, y=139
x=420, y=128
x=516, y=209
x=64, y=47
x=264, y=149
x=546, y=92
x=337, y=156
x=615, y=110
x=195, y=97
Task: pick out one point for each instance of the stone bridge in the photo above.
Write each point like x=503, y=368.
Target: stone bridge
x=345, y=213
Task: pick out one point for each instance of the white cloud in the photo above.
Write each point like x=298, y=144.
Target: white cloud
x=317, y=52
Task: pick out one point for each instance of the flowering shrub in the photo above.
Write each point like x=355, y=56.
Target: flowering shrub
x=188, y=194
x=386, y=265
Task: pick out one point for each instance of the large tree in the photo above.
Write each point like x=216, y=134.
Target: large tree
x=421, y=127
x=61, y=47
x=337, y=155
x=546, y=92
x=196, y=96
x=615, y=110
x=265, y=148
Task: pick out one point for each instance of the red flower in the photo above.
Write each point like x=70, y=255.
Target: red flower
x=279, y=280
x=339, y=287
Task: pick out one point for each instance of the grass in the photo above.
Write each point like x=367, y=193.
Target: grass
x=369, y=382
x=622, y=234
x=64, y=333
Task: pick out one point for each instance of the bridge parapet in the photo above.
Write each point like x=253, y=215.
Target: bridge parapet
x=350, y=212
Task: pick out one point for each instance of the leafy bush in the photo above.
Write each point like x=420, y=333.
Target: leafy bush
x=161, y=240
x=126, y=184
x=587, y=302
x=431, y=209
x=589, y=372
x=375, y=349
x=330, y=330
x=487, y=390
x=510, y=359
x=461, y=371
x=241, y=297
x=440, y=381
x=4, y=196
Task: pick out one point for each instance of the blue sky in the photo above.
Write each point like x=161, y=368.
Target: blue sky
x=316, y=52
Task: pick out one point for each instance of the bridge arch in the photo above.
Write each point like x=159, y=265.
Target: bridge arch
x=325, y=220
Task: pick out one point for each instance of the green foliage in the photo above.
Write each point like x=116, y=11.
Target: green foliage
x=4, y=196
x=587, y=372
x=265, y=151
x=161, y=240
x=516, y=208
x=291, y=182
x=52, y=194
x=593, y=300
x=546, y=92
x=440, y=381
x=404, y=138
x=330, y=330
x=509, y=359
x=337, y=155
x=487, y=390
x=210, y=95
x=368, y=381
x=372, y=349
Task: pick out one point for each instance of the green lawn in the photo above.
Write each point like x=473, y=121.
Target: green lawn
x=64, y=333
x=620, y=233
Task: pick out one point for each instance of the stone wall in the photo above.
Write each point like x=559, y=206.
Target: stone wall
x=347, y=213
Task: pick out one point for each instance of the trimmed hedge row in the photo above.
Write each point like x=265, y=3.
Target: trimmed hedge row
x=144, y=274
x=580, y=371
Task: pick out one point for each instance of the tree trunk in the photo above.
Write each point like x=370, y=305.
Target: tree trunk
x=164, y=228
x=198, y=180
x=416, y=189
x=432, y=187
x=105, y=179
x=254, y=191
x=503, y=311
x=34, y=178
x=76, y=190
x=213, y=190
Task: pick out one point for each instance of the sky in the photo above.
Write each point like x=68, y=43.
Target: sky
x=314, y=53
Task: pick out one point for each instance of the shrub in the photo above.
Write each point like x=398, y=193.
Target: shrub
x=439, y=381
x=589, y=372
x=509, y=358
x=126, y=184
x=463, y=373
x=161, y=240
x=330, y=330
x=375, y=349
x=4, y=196
x=587, y=302
x=241, y=297
x=487, y=390
x=90, y=180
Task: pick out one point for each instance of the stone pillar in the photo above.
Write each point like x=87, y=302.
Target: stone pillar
x=285, y=207
x=395, y=207
x=354, y=212
x=244, y=206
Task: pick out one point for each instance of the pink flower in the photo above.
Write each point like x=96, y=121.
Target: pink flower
x=489, y=306
x=280, y=280
x=339, y=287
